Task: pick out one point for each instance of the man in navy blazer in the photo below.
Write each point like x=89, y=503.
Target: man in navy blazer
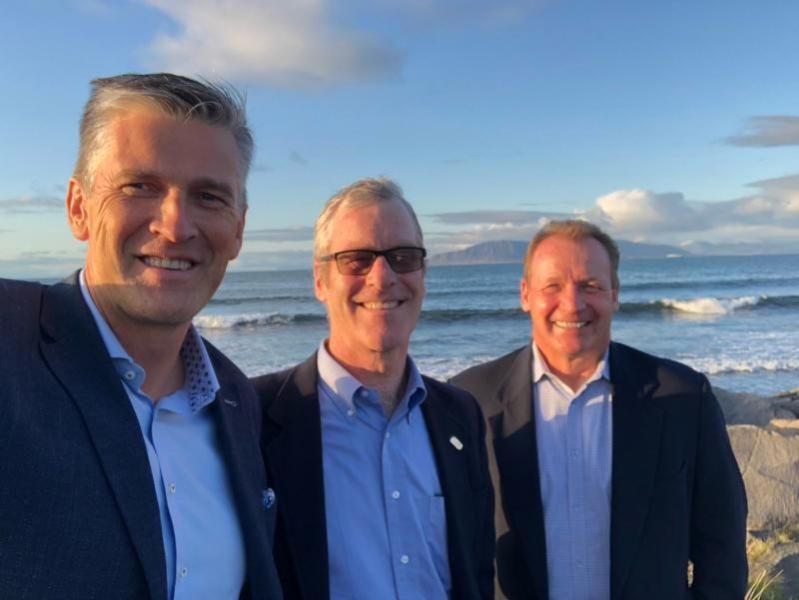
x=612, y=468
x=130, y=463
x=381, y=473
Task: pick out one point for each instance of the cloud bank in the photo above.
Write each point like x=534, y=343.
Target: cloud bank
x=32, y=203
x=293, y=44
x=767, y=218
x=768, y=131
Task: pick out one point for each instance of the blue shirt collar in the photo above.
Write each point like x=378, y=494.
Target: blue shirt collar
x=201, y=384
x=541, y=368
x=345, y=389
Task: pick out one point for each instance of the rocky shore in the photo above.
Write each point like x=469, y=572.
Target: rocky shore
x=764, y=432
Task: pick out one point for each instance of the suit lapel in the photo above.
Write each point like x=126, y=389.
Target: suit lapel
x=294, y=456
x=75, y=353
x=453, y=471
x=239, y=445
x=636, y=443
x=516, y=453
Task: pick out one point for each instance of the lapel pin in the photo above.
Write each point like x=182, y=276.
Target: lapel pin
x=456, y=442
x=230, y=402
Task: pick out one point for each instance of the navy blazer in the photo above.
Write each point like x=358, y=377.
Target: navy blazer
x=79, y=517
x=676, y=491
x=292, y=447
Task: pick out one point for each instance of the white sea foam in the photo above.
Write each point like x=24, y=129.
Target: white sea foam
x=240, y=320
x=711, y=306
x=720, y=366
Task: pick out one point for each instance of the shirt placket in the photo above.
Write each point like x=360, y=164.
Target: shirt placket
x=576, y=496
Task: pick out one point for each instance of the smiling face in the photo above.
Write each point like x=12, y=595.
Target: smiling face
x=371, y=316
x=162, y=220
x=569, y=294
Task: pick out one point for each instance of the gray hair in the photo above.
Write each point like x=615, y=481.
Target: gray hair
x=361, y=193
x=576, y=230
x=173, y=95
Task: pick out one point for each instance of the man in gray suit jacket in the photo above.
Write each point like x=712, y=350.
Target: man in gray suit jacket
x=612, y=468
x=130, y=462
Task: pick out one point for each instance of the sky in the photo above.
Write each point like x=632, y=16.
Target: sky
x=665, y=122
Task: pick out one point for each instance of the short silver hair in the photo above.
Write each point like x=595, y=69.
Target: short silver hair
x=173, y=95
x=361, y=193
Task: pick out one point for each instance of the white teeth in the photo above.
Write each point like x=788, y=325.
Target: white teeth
x=570, y=324
x=167, y=263
x=380, y=305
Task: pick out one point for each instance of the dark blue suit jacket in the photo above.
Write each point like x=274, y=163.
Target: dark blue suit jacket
x=676, y=492
x=292, y=445
x=78, y=512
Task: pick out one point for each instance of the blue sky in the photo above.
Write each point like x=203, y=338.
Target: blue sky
x=670, y=122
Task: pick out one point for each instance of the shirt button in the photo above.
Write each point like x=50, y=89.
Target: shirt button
x=172, y=488
x=184, y=571
x=350, y=412
x=129, y=375
x=404, y=559
x=395, y=494
x=388, y=434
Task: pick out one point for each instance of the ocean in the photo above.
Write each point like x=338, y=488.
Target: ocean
x=733, y=318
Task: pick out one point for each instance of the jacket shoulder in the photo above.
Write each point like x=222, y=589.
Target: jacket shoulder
x=486, y=376
x=671, y=375
x=19, y=315
x=461, y=399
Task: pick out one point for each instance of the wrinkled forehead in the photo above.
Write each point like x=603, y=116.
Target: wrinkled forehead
x=562, y=255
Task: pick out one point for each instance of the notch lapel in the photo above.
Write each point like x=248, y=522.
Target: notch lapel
x=294, y=458
x=636, y=447
x=515, y=447
x=453, y=473
x=239, y=445
x=75, y=353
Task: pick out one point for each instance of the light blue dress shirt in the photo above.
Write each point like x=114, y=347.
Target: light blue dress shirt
x=202, y=536
x=386, y=523
x=575, y=437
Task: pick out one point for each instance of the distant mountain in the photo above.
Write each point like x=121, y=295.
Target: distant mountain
x=508, y=251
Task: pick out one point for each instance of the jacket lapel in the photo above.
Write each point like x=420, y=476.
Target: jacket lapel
x=294, y=456
x=636, y=443
x=442, y=424
x=516, y=453
x=239, y=445
x=75, y=353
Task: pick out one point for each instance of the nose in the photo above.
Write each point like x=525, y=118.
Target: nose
x=571, y=298
x=173, y=221
x=381, y=273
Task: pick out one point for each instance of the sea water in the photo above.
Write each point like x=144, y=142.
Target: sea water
x=733, y=318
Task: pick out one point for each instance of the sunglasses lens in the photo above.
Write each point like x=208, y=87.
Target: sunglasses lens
x=405, y=260
x=357, y=262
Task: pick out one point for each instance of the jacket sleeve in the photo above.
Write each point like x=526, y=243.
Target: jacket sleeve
x=718, y=515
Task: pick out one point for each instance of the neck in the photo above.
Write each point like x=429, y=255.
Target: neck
x=157, y=350
x=573, y=371
x=382, y=371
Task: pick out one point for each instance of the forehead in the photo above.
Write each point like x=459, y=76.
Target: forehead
x=145, y=140
x=376, y=225
x=560, y=256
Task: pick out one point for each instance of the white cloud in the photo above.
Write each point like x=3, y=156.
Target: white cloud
x=640, y=211
x=288, y=43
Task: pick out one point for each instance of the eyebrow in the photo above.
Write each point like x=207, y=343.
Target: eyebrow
x=204, y=183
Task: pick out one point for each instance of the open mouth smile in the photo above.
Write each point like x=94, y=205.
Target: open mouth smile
x=570, y=324
x=170, y=264
x=381, y=305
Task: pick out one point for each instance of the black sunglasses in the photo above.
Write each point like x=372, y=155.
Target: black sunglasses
x=403, y=259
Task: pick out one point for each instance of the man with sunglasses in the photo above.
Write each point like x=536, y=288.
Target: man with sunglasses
x=382, y=472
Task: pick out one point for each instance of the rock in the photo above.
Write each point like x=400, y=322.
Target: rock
x=750, y=409
x=769, y=463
